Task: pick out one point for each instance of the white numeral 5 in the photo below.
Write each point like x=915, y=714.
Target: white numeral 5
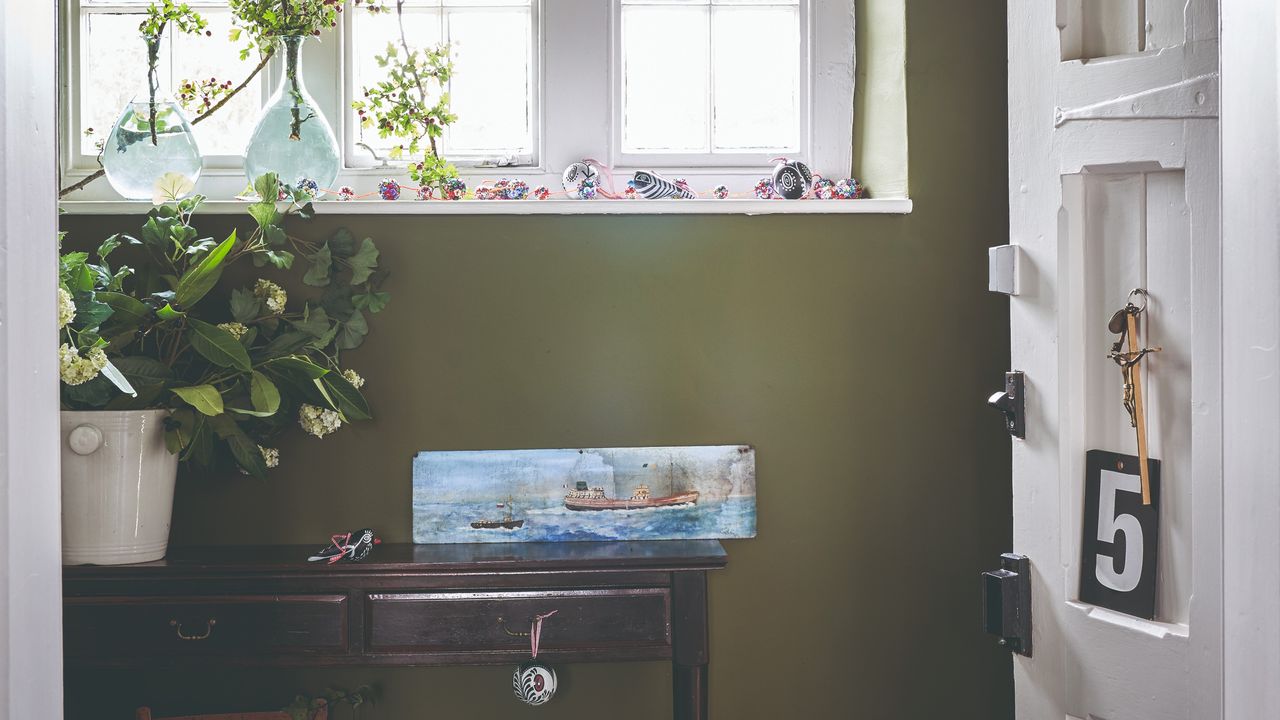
x=1109, y=525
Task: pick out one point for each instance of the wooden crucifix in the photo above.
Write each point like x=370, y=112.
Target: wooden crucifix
x=1125, y=324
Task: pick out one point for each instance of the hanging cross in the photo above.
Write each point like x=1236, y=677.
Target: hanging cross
x=1125, y=324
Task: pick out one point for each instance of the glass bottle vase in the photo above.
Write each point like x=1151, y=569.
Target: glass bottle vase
x=152, y=138
x=292, y=137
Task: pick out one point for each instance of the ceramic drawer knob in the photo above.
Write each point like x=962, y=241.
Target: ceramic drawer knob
x=85, y=439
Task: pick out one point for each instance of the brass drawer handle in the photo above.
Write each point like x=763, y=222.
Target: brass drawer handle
x=208, y=629
x=509, y=631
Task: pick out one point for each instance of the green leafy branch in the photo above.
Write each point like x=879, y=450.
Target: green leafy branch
x=412, y=103
x=234, y=375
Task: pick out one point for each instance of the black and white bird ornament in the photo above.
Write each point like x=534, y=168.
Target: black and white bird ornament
x=792, y=179
x=349, y=546
x=578, y=174
x=652, y=186
x=534, y=682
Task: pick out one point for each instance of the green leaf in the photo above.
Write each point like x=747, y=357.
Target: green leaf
x=374, y=302
x=243, y=449
x=218, y=346
x=169, y=313
x=114, y=242
x=284, y=344
x=321, y=263
x=298, y=365
x=118, y=379
x=363, y=262
x=307, y=211
x=348, y=399
x=198, y=281
x=343, y=243
x=94, y=393
x=281, y=259
x=245, y=306
x=267, y=186
x=351, y=333
x=265, y=212
x=315, y=321
x=263, y=394
x=275, y=236
x=127, y=310
x=143, y=370
x=91, y=313
x=204, y=398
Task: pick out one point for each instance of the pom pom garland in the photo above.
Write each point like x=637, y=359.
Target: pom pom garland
x=307, y=187
x=346, y=193
x=541, y=192
x=720, y=192
x=389, y=189
x=425, y=193
x=454, y=189
x=764, y=189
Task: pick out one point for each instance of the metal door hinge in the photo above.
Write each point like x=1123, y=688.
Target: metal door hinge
x=1006, y=603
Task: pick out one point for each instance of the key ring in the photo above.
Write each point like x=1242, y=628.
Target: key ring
x=1134, y=308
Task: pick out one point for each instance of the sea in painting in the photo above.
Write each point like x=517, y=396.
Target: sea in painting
x=666, y=493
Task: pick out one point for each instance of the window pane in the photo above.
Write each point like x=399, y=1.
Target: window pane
x=665, y=51
x=372, y=34
x=490, y=86
x=113, y=69
x=757, y=78
x=200, y=57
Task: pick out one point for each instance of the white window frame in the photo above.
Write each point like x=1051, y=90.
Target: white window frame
x=576, y=75
x=358, y=158
x=710, y=161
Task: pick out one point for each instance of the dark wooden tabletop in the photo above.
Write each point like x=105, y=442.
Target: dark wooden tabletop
x=423, y=559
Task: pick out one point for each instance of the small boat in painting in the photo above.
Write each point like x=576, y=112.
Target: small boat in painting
x=585, y=498
x=508, y=521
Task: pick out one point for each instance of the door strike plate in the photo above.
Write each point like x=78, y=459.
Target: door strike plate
x=1006, y=602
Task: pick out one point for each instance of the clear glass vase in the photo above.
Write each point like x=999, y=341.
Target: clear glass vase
x=151, y=139
x=292, y=138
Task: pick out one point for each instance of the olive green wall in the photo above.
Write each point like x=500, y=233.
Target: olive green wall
x=854, y=352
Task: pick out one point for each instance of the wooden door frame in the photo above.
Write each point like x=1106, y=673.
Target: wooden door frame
x=1251, y=363
x=30, y=491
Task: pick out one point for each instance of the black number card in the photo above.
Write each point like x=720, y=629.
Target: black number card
x=1118, y=549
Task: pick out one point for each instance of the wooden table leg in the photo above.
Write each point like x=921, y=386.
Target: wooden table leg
x=690, y=657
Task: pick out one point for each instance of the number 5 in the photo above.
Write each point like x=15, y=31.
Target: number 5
x=1109, y=525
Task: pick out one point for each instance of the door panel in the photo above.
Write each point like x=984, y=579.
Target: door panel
x=1113, y=164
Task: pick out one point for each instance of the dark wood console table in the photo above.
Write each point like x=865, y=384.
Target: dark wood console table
x=405, y=605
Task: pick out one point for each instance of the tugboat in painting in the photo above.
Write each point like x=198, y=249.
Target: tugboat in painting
x=508, y=521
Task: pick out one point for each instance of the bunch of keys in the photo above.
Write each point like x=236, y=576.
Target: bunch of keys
x=1126, y=354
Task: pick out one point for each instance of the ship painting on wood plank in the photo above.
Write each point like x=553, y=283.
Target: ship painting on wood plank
x=667, y=493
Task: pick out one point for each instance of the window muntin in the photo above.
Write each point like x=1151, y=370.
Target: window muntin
x=711, y=77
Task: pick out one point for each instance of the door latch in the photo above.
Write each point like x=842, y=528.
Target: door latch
x=1012, y=403
x=1006, y=602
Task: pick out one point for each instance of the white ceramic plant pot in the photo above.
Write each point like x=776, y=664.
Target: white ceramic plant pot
x=117, y=486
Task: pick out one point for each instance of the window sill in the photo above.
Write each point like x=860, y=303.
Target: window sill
x=869, y=206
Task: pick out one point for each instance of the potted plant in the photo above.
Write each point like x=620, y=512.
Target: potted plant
x=156, y=368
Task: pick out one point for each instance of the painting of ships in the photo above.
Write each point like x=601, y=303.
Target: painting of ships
x=508, y=521
x=584, y=498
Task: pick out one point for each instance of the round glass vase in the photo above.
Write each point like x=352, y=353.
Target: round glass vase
x=151, y=139
x=292, y=138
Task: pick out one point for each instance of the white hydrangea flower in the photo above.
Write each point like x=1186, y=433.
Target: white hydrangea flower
x=237, y=330
x=66, y=308
x=76, y=370
x=354, y=378
x=270, y=456
x=274, y=295
x=318, y=421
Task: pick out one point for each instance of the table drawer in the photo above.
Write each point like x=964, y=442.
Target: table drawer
x=474, y=621
x=114, y=627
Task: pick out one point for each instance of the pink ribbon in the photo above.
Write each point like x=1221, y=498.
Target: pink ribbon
x=535, y=632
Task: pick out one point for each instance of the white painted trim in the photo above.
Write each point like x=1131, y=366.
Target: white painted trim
x=30, y=490
x=1251, y=359
x=870, y=206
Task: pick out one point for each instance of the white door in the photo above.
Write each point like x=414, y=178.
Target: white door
x=1113, y=185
